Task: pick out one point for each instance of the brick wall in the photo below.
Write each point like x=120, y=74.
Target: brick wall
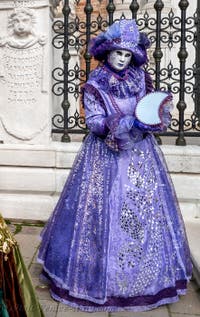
x=99, y=8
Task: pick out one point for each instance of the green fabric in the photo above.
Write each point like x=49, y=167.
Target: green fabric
x=3, y=309
x=31, y=302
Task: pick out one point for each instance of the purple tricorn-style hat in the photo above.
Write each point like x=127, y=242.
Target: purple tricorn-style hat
x=122, y=34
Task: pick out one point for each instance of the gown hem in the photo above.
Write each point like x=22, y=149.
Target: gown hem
x=115, y=308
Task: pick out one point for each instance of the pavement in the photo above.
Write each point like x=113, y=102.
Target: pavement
x=27, y=236
x=193, y=234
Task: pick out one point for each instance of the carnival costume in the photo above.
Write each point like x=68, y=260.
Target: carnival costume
x=116, y=239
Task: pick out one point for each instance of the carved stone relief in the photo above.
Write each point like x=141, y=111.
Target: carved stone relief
x=23, y=3
x=23, y=77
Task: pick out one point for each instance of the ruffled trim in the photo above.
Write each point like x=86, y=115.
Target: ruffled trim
x=128, y=85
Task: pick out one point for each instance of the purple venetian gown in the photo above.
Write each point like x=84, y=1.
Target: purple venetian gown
x=116, y=239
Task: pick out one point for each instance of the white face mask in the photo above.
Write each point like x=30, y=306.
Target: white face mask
x=119, y=59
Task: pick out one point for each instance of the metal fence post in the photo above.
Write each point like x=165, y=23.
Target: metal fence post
x=88, y=11
x=111, y=9
x=182, y=55
x=134, y=6
x=197, y=75
x=66, y=57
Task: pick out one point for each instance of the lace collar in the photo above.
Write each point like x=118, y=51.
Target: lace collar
x=121, y=85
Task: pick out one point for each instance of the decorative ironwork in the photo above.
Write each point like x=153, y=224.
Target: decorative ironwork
x=58, y=40
x=88, y=11
x=197, y=64
x=167, y=31
x=111, y=9
x=182, y=55
x=66, y=57
x=134, y=6
x=158, y=54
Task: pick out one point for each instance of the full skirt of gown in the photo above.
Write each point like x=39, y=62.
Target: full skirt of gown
x=116, y=239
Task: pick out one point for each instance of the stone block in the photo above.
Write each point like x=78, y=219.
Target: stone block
x=64, y=159
x=66, y=153
x=182, y=159
x=187, y=186
x=189, y=210
x=16, y=179
x=61, y=178
x=27, y=207
x=26, y=156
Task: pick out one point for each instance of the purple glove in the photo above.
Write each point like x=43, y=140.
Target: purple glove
x=118, y=124
x=123, y=134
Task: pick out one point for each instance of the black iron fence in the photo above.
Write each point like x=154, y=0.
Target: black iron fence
x=174, y=60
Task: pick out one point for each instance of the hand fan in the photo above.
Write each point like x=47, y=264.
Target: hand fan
x=150, y=108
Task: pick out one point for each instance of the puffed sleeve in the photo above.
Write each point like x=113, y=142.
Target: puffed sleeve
x=95, y=111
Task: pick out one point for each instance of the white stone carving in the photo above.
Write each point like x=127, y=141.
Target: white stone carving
x=24, y=3
x=56, y=8
x=11, y=4
x=23, y=77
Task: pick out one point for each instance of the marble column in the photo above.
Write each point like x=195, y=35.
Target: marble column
x=25, y=71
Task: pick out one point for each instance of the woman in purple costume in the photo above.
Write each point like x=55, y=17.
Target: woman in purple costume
x=116, y=239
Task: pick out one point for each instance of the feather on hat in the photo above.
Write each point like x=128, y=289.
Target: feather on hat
x=122, y=34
